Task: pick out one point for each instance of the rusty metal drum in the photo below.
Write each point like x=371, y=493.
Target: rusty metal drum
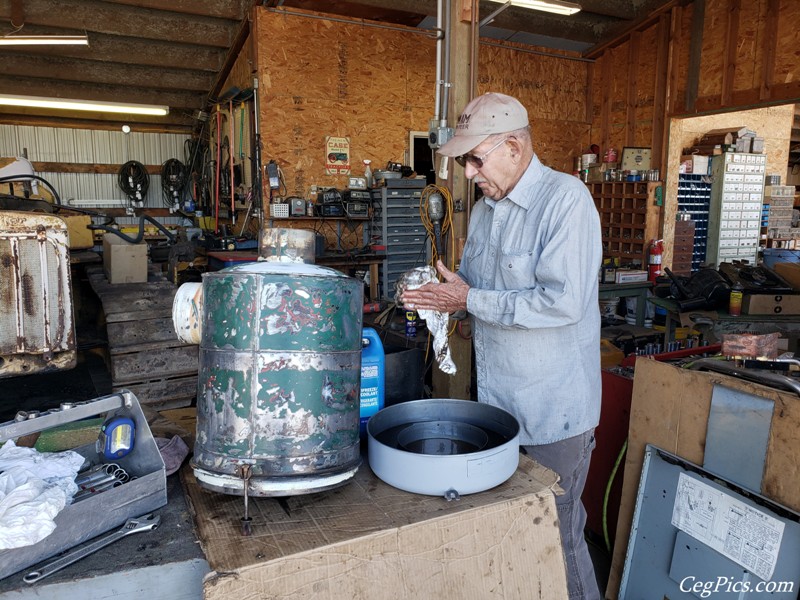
x=279, y=379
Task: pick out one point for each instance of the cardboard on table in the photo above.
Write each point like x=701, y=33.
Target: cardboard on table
x=367, y=539
x=669, y=409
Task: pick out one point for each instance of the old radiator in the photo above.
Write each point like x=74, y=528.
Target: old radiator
x=37, y=330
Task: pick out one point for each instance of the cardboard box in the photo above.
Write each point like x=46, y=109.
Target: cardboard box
x=367, y=539
x=681, y=399
x=630, y=276
x=771, y=304
x=124, y=262
x=694, y=163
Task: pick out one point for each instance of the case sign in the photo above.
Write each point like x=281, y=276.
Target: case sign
x=337, y=155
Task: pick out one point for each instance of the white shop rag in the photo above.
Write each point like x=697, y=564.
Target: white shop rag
x=34, y=487
x=437, y=321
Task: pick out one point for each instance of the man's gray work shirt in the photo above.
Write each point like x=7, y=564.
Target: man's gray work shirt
x=532, y=261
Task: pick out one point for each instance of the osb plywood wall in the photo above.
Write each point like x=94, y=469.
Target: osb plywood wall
x=323, y=78
x=749, y=57
x=553, y=89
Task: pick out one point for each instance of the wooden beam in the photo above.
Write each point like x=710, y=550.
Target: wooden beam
x=96, y=169
x=695, y=52
x=125, y=50
x=674, y=71
x=223, y=9
x=127, y=21
x=589, y=95
x=605, y=104
x=630, y=108
x=461, y=73
x=770, y=45
x=88, y=71
x=230, y=60
x=729, y=53
x=464, y=8
x=780, y=94
x=660, y=91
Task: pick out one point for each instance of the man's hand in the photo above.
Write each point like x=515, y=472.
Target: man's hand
x=447, y=296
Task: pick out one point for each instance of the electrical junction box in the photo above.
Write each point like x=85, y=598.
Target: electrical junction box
x=439, y=135
x=124, y=262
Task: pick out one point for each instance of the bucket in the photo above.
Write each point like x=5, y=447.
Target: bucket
x=373, y=377
x=608, y=307
x=779, y=255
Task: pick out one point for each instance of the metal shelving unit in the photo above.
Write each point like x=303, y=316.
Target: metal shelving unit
x=397, y=225
x=694, y=197
x=734, y=216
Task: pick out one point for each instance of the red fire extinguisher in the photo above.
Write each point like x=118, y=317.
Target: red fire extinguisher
x=654, y=259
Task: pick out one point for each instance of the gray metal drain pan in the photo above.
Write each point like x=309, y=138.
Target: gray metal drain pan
x=443, y=447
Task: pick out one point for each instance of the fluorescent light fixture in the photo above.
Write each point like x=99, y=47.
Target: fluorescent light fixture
x=44, y=40
x=558, y=7
x=88, y=105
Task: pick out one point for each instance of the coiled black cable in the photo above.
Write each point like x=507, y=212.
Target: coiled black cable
x=134, y=181
x=173, y=181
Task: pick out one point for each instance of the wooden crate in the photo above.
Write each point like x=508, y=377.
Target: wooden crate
x=145, y=355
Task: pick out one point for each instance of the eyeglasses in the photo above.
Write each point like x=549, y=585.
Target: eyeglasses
x=477, y=161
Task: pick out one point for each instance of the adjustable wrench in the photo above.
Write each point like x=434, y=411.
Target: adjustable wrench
x=145, y=523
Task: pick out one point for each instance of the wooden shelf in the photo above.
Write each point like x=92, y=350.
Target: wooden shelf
x=629, y=218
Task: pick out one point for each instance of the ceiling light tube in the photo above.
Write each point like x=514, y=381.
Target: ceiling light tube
x=558, y=7
x=44, y=40
x=87, y=105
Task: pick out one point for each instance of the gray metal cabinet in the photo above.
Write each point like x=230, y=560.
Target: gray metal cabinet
x=734, y=219
x=397, y=225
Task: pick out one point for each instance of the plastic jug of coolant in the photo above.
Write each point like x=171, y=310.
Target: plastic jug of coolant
x=373, y=376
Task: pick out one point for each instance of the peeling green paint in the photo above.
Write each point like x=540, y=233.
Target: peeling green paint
x=280, y=368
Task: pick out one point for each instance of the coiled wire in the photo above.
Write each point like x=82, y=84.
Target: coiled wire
x=134, y=181
x=173, y=181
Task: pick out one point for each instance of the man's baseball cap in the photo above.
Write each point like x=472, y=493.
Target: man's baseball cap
x=484, y=116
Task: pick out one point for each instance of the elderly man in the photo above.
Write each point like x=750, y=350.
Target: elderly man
x=528, y=279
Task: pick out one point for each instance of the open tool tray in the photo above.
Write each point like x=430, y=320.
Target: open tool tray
x=103, y=511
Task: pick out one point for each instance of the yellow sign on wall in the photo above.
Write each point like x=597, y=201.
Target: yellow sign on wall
x=337, y=155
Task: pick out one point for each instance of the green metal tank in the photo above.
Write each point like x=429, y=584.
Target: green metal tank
x=279, y=379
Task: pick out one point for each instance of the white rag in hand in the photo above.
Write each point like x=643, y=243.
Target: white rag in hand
x=437, y=321
x=34, y=488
